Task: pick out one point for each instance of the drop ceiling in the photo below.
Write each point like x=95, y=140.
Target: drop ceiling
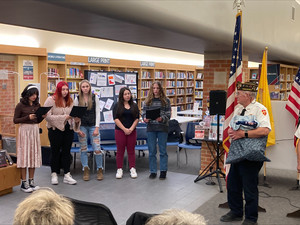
x=197, y=26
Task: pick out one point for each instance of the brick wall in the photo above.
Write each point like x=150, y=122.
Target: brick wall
x=7, y=96
x=210, y=67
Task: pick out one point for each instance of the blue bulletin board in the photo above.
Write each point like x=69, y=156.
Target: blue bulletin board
x=106, y=86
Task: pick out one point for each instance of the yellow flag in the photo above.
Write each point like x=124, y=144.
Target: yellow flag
x=263, y=97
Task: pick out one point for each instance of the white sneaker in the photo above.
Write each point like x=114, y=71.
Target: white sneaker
x=54, y=179
x=133, y=173
x=68, y=179
x=119, y=174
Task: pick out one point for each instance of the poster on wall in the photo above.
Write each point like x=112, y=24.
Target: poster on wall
x=106, y=86
x=27, y=70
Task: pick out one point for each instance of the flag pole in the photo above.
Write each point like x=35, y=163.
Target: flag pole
x=265, y=183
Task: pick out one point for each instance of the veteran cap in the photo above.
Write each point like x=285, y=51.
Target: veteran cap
x=247, y=86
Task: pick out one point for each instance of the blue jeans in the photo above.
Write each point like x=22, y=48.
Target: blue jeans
x=153, y=139
x=95, y=142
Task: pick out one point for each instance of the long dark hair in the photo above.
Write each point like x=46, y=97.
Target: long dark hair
x=58, y=96
x=28, y=91
x=121, y=108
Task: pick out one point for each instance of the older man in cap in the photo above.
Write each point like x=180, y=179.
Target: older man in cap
x=246, y=156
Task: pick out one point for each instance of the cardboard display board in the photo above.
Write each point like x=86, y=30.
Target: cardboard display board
x=107, y=84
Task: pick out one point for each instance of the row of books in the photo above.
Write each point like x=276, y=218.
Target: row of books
x=170, y=83
x=74, y=73
x=170, y=92
x=180, y=100
x=200, y=101
x=190, y=75
x=189, y=99
x=199, y=84
x=146, y=75
x=180, y=91
x=73, y=86
x=180, y=83
x=199, y=94
x=190, y=83
x=199, y=75
x=144, y=93
x=159, y=75
x=146, y=84
x=288, y=77
x=189, y=91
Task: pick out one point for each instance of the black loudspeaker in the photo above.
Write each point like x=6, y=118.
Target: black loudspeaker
x=217, y=102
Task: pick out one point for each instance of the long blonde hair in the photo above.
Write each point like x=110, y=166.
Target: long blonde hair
x=162, y=95
x=81, y=97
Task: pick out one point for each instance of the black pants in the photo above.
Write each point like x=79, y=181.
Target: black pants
x=243, y=176
x=61, y=143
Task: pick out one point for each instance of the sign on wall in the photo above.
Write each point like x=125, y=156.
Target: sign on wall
x=27, y=70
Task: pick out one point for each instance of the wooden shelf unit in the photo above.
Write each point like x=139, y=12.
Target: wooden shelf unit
x=177, y=80
x=286, y=78
x=199, y=77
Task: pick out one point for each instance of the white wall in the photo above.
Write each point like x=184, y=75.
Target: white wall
x=282, y=154
x=78, y=45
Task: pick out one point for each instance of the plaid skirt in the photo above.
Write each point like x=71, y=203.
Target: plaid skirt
x=29, y=146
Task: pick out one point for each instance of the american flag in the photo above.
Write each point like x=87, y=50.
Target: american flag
x=293, y=105
x=234, y=76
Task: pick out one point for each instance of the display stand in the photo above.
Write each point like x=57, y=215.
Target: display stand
x=218, y=170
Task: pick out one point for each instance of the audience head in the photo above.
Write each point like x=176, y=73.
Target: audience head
x=44, y=207
x=28, y=92
x=177, y=217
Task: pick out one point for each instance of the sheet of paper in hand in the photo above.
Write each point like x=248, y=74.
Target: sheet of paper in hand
x=78, y=111
x=252, y=149
x=153, y=114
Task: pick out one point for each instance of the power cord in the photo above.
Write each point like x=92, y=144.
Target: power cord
x=266, y=195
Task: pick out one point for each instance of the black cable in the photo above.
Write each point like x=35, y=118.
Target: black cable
x=276, y=196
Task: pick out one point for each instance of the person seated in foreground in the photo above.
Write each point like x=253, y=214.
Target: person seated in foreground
x=177, y=217
x=44, y=207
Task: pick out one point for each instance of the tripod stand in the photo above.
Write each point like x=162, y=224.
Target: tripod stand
x=218, y=170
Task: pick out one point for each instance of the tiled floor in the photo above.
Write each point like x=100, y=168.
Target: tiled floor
x=124, y=196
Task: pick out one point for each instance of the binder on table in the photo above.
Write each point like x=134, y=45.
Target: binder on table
x=78, y=111
x=153, y=114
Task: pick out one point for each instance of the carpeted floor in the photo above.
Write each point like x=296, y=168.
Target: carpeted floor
x=278, y=200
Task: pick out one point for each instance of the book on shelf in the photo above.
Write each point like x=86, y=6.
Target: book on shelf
x=199, y=75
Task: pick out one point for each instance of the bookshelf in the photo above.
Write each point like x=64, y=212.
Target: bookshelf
x=286, y=79
x=280, y=79
x=177, y=80
x=199, y=87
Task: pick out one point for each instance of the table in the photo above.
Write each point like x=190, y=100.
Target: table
x=185, y=119
x=9, y=177
x=190, y=112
